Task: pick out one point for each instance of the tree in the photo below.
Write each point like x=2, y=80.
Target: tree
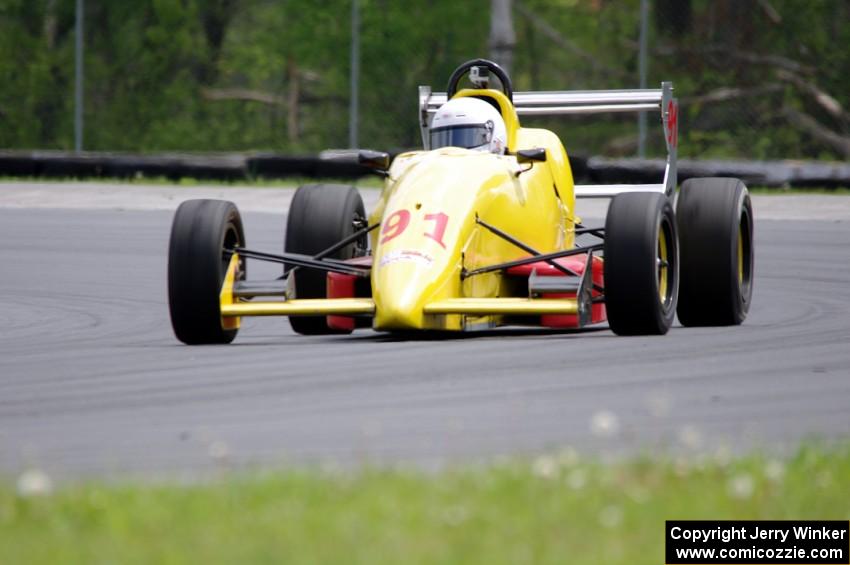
x=502, y=35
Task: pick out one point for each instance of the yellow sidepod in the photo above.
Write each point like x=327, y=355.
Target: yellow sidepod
x=559, y=166
x=428, y=231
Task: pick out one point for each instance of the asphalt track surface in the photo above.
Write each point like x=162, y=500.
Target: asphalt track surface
x=93, y=383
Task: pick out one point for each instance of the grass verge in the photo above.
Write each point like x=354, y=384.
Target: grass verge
x=290, y=182
x=368, y=182
x=836, y=191
x=554, y=509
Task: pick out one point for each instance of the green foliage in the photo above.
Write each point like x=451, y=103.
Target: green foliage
x=553, y=509
x=274, y=75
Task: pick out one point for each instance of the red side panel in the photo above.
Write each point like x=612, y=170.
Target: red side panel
x=575, y=264
x=597, y=311
x=341, y=286
x=345, y=286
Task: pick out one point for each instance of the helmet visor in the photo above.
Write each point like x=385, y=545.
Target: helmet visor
x=468, y=136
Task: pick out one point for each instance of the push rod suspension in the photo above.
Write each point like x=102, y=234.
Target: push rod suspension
x=335, y=247
x=598, y=232
x=343, y=242
x=527, y=248
x=539, y=256
x=306, y=261
x=529, y=260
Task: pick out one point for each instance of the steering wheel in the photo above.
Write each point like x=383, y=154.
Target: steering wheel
x=461, y=71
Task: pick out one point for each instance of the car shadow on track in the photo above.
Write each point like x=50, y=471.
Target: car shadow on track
x=474, y=335
x=366, y=336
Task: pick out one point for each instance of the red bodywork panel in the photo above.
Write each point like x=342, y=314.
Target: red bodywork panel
x=576, y=264
x=344, y=286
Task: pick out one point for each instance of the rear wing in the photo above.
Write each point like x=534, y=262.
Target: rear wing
x=558, y=103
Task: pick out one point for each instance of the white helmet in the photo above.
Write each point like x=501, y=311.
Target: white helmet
x=471, y=123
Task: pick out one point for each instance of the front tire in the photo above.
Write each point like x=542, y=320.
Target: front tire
x=641, y=264
x=197, y=262
x=320, y=216
x=716, y=231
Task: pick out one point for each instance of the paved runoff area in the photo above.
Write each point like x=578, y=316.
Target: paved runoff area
x=93, y=382
x=125, y=196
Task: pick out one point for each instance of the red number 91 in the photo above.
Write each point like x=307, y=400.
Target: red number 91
x=398, y=221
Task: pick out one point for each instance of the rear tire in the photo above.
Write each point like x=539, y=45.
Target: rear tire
x=641, y=264
x=321, y=215
x=716, y=232
x=200, y=232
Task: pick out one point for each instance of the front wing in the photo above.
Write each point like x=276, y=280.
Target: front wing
x=232, y=307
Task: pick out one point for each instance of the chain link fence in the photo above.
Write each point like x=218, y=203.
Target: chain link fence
x=757, y=79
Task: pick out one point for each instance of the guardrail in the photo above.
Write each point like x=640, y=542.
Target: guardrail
x=212, y=166
x=235, y=167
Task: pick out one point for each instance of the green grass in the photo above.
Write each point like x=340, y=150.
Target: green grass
x=292, y=182
x=839, y=191
x=549, y=510
x=362, y=183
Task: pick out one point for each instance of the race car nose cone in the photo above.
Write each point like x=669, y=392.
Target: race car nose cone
x=398, y=299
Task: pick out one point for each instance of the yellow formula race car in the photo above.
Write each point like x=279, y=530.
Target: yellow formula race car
x=478, y=230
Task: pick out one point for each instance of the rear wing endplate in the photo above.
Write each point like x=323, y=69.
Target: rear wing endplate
x=556, y=103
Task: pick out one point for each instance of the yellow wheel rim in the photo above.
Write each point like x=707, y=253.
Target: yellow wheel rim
x=663, y=264
x=740, y=255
